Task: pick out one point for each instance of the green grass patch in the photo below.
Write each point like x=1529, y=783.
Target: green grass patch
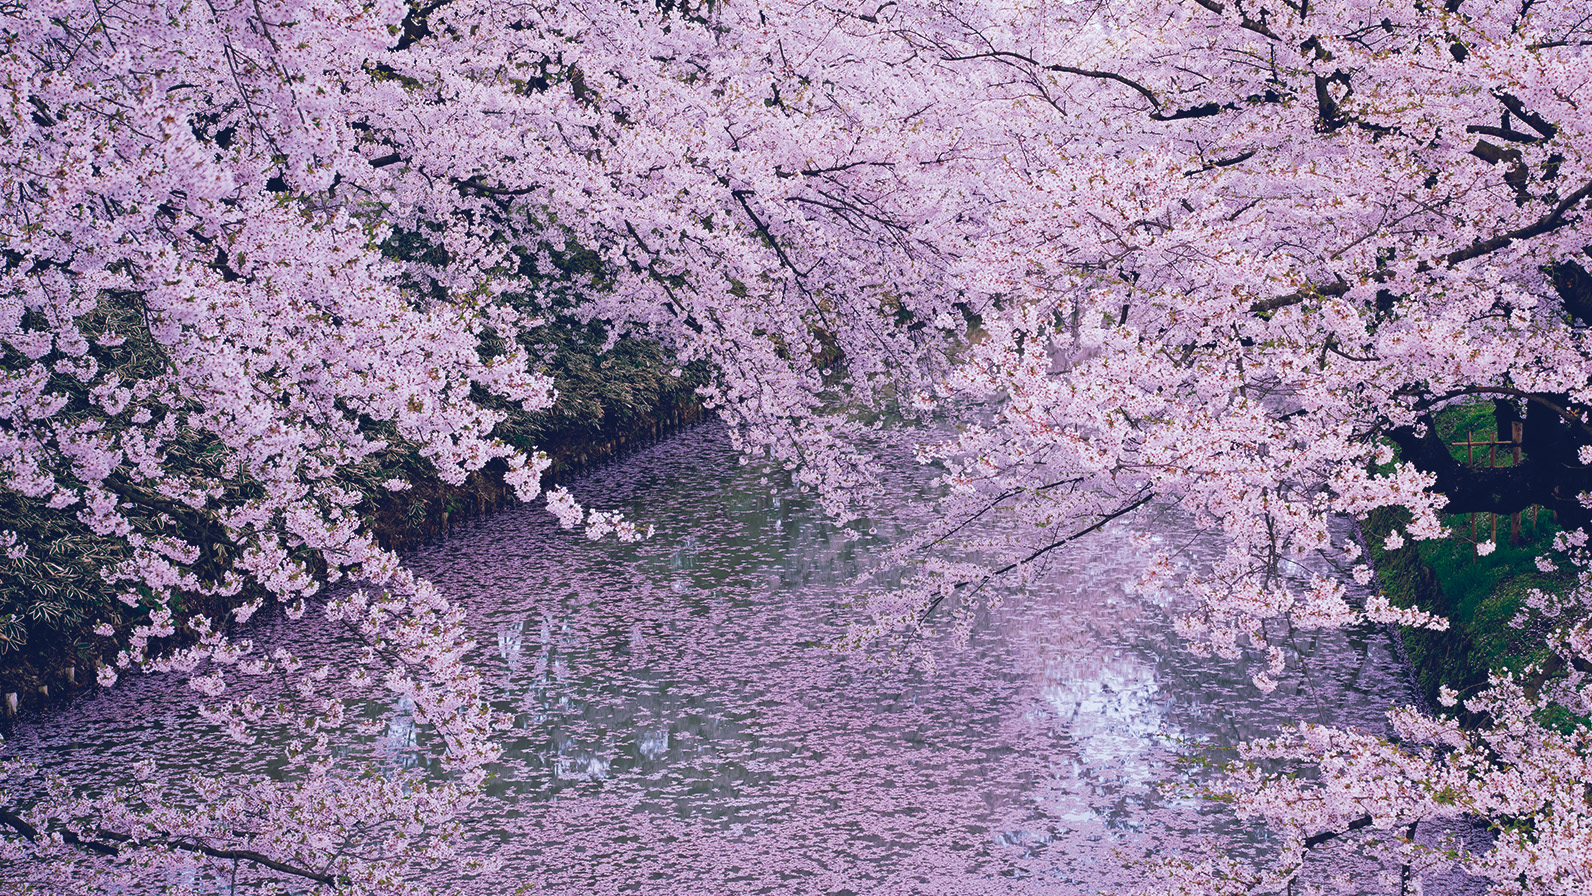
x=1473, y=422
x=1479, y=595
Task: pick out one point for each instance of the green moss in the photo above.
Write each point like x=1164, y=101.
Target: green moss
x=606, y=399
x=1479, y=595
x=1472, y=421
x=1470, y=580
x=611, y=392
x=52, y=598
x=1438, y=658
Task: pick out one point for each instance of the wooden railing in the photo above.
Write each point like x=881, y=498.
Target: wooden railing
x=1513, y=446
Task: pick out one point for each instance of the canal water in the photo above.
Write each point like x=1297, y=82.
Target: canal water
x=686, y=726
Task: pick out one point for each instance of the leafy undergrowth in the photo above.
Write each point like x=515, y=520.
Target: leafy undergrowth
x=53, y=598
x=1481, y=594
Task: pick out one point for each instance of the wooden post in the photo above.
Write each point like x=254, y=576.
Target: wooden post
x=1495, y=528
x=1470, y=447
x=1517, y=433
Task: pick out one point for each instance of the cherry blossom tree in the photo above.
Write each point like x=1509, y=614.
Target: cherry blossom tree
x=1222, y=257
x=254, y=250
x=1246, y=253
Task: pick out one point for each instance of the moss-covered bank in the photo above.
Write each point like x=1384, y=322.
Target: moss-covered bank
x=1479, y=593
x=608, y=401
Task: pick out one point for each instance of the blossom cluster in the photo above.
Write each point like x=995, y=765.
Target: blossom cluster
x=1151, y=254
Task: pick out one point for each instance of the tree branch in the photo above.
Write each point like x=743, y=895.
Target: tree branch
x=1565, y=414
x=1364, y=821
x=1244, y=21
x=16, y=822
x=1334, y=290
x=1509, y=134
x=1549, y=222
x=762, y=228
x=1553, y=220
x=1146, y=92
x=1124, y=511
x=1537, y=122
x=475, y=183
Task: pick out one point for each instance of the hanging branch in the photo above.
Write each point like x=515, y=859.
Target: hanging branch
x=14, y=821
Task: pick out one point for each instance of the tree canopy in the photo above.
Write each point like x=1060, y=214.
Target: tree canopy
x=1220, y=256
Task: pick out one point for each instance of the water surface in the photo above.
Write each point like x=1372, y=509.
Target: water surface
x=686, y=727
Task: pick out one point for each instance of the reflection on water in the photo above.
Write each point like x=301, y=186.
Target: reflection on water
x=683, y=727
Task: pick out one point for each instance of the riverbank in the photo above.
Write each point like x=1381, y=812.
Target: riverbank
x=1479, y=594
x=609, y=402
x=682, y=722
